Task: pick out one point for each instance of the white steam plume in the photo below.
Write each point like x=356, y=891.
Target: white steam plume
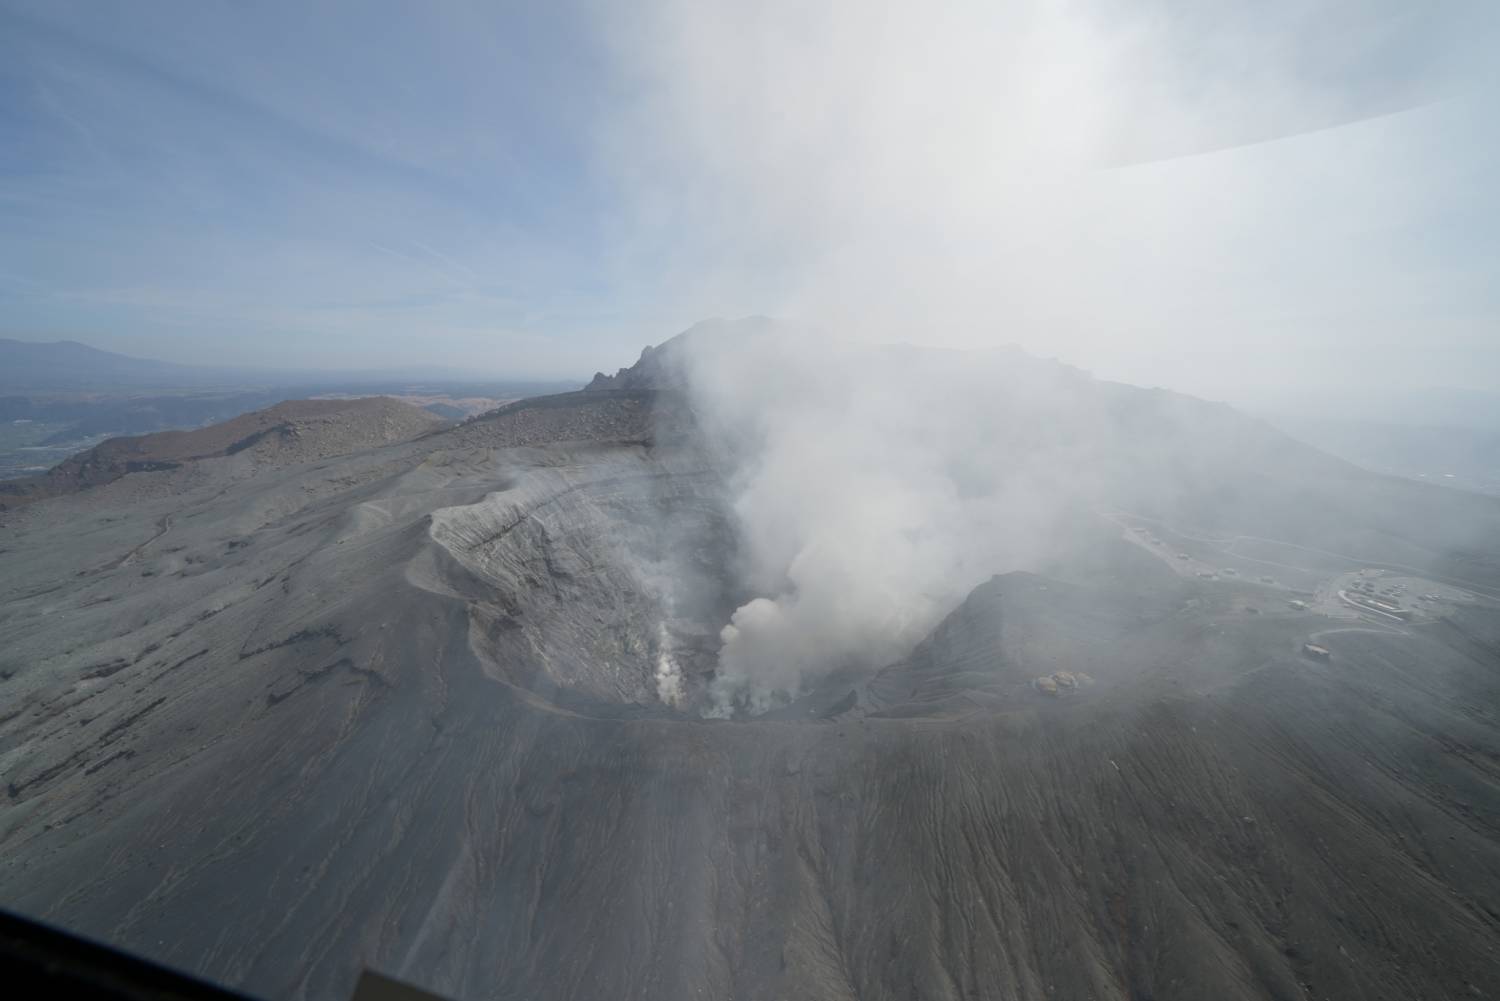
x=1223, y=197
x=875, y=487
x=1231, y=198
x=668, y=671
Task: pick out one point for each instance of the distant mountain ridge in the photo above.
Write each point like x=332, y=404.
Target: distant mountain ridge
x=70, y=364
x=38, y=367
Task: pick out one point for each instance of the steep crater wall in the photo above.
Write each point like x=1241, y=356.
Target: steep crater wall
x=604, y=578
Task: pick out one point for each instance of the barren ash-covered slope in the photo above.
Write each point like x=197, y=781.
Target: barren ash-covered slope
x=286, y=433
x=408, y=708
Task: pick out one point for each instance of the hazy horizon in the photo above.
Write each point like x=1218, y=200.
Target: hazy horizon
x=1232, y=200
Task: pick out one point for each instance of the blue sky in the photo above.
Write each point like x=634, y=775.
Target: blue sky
x=1221, y=197
x=227, y=182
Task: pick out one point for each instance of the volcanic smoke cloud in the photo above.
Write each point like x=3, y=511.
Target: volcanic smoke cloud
x=872, y=489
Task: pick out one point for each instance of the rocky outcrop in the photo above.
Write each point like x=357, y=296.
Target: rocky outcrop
x=657, y=368
x=665, y=366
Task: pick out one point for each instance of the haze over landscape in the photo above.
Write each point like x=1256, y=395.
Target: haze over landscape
x=706, y=500
x=1221, y=198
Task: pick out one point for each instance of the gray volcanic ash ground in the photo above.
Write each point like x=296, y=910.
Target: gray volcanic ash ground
x=760, y=671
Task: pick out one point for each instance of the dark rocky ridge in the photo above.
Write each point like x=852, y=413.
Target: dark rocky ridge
x=662, y=366
x=396, y=708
